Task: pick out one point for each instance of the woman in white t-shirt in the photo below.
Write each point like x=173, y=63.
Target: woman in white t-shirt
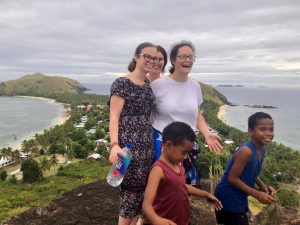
x=178, y=98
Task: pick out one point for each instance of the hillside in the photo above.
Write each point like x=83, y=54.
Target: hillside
x=211, y=94
x=37, y=84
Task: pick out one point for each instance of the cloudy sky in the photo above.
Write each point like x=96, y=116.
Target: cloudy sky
x=94, y=39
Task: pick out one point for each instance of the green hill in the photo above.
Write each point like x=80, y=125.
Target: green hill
x=37, y=84
x=211, y=94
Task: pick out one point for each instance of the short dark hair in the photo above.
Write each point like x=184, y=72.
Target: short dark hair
x=164, y=53
x=175, y=49
x=138, y=50
x=176, y=132
x=254, y=118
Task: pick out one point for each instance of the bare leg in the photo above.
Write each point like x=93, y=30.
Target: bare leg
x=123, y=221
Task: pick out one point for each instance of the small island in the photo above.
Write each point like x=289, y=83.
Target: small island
x=230, y=85
x=262, y=106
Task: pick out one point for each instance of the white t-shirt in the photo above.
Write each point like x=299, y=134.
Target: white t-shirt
x=175, y=101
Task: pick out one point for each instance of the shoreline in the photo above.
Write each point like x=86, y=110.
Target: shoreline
x=60, y=120
x=222, y=112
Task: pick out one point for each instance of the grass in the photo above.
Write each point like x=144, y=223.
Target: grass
x=17, y=198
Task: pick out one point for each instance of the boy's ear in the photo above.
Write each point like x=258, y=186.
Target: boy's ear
x=250, y=132
x=167, y=144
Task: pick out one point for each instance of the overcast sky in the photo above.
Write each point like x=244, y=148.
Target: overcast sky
x=91, y=39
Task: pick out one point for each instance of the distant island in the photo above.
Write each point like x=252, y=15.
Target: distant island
x=262, y=106
x=38, y=84
x=230, y=85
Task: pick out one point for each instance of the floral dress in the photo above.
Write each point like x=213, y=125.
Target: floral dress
x=135, y=128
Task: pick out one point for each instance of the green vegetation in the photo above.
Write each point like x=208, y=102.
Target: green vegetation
x=289, y=197
x=36, y=84
x=212, y=95
x=31, y=171
x=3, y=175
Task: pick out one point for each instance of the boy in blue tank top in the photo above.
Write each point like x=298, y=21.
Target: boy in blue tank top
x=242, y=173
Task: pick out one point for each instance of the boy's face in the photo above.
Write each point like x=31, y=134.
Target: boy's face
x=263, y=132
x=177, y=153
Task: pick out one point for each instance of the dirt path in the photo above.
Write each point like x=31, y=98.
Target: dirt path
x=95, y=203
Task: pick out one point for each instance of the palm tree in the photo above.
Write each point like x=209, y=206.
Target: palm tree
x=5, y=154
x=70, y=154
x=53, y=161
x=44, y=165
x=15, y=155
x=1, y=155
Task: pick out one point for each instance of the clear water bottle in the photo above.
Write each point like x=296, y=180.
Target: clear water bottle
x=118, y=169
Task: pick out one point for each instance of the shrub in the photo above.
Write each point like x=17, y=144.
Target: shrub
x=288, y=197
x=79, y=151
x=31, y=171
x=42, y=151
x=13, y=179
x=3, y=175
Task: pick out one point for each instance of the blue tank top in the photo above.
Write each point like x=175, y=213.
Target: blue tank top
x=233, y=199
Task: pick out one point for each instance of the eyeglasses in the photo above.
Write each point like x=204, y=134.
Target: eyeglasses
x=185, y=57
x=149, y=58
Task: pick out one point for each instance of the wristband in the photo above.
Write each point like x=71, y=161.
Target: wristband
x=113, y=144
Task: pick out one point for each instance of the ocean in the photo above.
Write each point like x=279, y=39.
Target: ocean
x=286, y=114
x=21, y=118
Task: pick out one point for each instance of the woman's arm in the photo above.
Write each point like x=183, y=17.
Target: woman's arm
x=241, y=158
x=116, y=106
x=212, y=140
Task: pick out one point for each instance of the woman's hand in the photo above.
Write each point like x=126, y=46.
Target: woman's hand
x=213, y=142
x=113, y=157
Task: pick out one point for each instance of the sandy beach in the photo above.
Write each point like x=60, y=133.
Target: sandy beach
x=222, y=112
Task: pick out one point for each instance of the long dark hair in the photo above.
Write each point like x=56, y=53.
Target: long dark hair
x=175, y=49
x=138, y=50
x=164, y=53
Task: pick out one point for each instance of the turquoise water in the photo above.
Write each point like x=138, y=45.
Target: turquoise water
x=286, y=116
x=21, y=118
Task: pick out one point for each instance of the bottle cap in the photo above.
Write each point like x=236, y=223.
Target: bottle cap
x=128, y=145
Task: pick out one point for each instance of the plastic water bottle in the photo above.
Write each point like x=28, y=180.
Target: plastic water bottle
x=118, y=169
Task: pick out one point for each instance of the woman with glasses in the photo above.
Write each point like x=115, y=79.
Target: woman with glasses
x=131, y=102
x=178, y=98
x=159, y=64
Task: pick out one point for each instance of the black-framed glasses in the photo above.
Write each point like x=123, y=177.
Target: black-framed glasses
x=185, y=57
x=149, y=58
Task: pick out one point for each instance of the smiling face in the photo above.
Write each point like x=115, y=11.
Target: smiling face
x=184, y=62
x=159, y=64
x=145, y=60
x=263, y=132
